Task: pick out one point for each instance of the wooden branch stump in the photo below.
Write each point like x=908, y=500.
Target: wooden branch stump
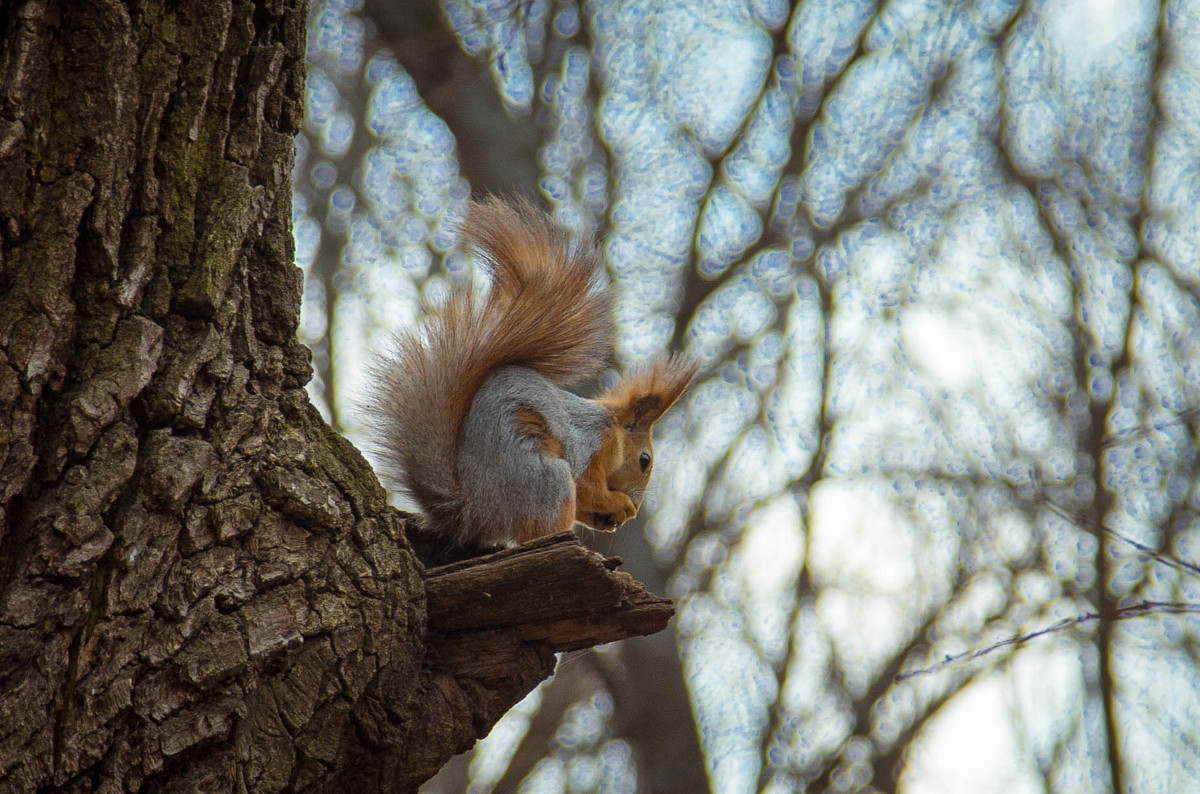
x=552, y=592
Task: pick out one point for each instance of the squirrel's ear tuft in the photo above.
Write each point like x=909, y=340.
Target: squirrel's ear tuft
x=645, y=394
x=646, y=411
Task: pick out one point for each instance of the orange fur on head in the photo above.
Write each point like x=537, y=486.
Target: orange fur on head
x=643, y=395
x=610, y=491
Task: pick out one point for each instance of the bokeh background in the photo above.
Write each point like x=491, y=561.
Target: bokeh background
x=930, y=513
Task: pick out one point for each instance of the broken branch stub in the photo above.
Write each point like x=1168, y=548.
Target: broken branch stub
x=552, y=591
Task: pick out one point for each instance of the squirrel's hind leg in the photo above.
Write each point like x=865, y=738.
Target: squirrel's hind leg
x=515, y=480
x=527, y=528
x=528, y=497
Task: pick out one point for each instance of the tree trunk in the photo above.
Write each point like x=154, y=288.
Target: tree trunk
x=201, y=586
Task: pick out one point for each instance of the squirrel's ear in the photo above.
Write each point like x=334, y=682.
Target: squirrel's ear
x=644, y=395
x=646, y=411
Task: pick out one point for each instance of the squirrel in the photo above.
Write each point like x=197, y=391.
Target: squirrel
x=473, y=408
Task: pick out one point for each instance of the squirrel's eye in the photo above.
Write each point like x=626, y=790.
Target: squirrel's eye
x=644, y=460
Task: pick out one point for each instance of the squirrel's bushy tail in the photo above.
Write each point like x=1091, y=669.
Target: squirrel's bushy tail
x=548, y=307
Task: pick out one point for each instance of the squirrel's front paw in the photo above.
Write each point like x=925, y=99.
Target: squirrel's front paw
x=623, y=511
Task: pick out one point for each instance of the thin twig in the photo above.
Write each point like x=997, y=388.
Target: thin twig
x=1122, y=613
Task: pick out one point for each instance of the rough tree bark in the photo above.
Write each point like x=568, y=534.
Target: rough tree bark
x=201, y=586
